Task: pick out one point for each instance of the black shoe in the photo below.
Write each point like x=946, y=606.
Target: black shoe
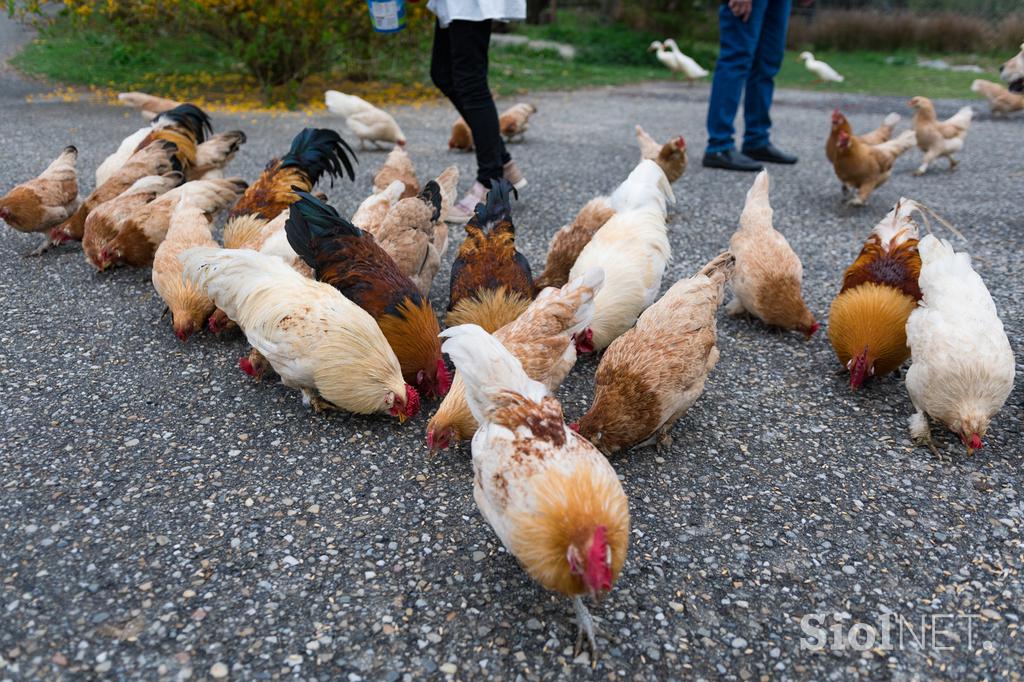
x=770, y=154
x=731, y=160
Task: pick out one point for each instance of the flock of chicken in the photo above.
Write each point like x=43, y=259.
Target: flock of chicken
x=338, y=308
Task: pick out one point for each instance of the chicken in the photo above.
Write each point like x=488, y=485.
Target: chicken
x=366, y=121
x=822, y=71
x=515, y=120
x=867, y=321
x=938, y=138
x=189, y=306
x=555, y=503
x=104, y=223
x=883, y=133
x=138, y=237
x=864, y=167
x=567, y=244
x=542, y=339
x=371, y=213
x=316, y=340
x=314, y=152
x=767, y=277
x=187, y=126
x=277, y=245
x=148, y=105
x=962, y=366
x=414, y=233
x=398, y=166
x=154, y=159
x=351, y=261
x=491, y=283
x=653, y=374
x=1000, y=100
x=461, y=137
x=671, y=156
x=46, y=200
x=633, y=249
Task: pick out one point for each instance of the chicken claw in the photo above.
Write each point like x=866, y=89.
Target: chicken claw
x=585, y=623
x=43, y=247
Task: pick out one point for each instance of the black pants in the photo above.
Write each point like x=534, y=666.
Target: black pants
x=458, y=67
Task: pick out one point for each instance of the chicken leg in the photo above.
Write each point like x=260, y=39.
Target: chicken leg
x=585, y=624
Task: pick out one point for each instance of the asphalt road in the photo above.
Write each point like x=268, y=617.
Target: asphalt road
x=162, y=516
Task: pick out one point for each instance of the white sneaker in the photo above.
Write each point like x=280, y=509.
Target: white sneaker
x=462, y=211
x=514, y=176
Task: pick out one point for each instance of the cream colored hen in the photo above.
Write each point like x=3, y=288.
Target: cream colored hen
x=317, y=341
x=366, y=121
x=767, y=277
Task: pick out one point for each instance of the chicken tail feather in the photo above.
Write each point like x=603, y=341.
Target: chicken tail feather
x=309, y=220
x=321, y=150
x=431, y=194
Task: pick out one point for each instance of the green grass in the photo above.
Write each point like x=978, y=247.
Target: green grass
x=871, y=73
x=607, y=55
x=84, y=56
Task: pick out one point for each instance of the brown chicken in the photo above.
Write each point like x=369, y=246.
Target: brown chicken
x=515, y=120
x=314, y=152
x=188, y=126
x=541, y=339
x=767, y=278
x=670, y=157
x=868, y=319
x=44, y=201
x=155, y=159
x=104, y=223
x=188, y=304
x=864, y=167
x=140, y=234
x=462, y=136
x=414, y=232
x=568, y=242
x=653, y=374
x=398, y=166
x=491, y=284
x=350, y=260
x=938, y=138
x=1000, y=100
x=840, y=124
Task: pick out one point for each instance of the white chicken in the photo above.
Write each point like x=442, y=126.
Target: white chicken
x=669, y=54
x=554, y=501
x=366, y=121
x=824, y=72
x=375, y=208
x=938, y=138
x=633, y=249
x=318, y=341
x=962, y=366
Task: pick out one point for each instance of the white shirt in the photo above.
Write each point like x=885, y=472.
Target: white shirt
x=477, y=10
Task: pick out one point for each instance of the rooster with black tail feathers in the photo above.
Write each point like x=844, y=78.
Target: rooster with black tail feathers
x=350, y=260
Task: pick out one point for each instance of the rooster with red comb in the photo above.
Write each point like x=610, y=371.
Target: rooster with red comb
x=552, y=497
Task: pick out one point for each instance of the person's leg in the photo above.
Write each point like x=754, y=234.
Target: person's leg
x=760, y=86
x=738, y=44
x=441, y=63
x=470, y=41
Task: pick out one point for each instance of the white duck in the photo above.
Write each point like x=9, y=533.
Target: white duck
x=823, y=71
x=668, y=53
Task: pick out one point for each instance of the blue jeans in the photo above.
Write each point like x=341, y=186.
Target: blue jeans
x=749, y=56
